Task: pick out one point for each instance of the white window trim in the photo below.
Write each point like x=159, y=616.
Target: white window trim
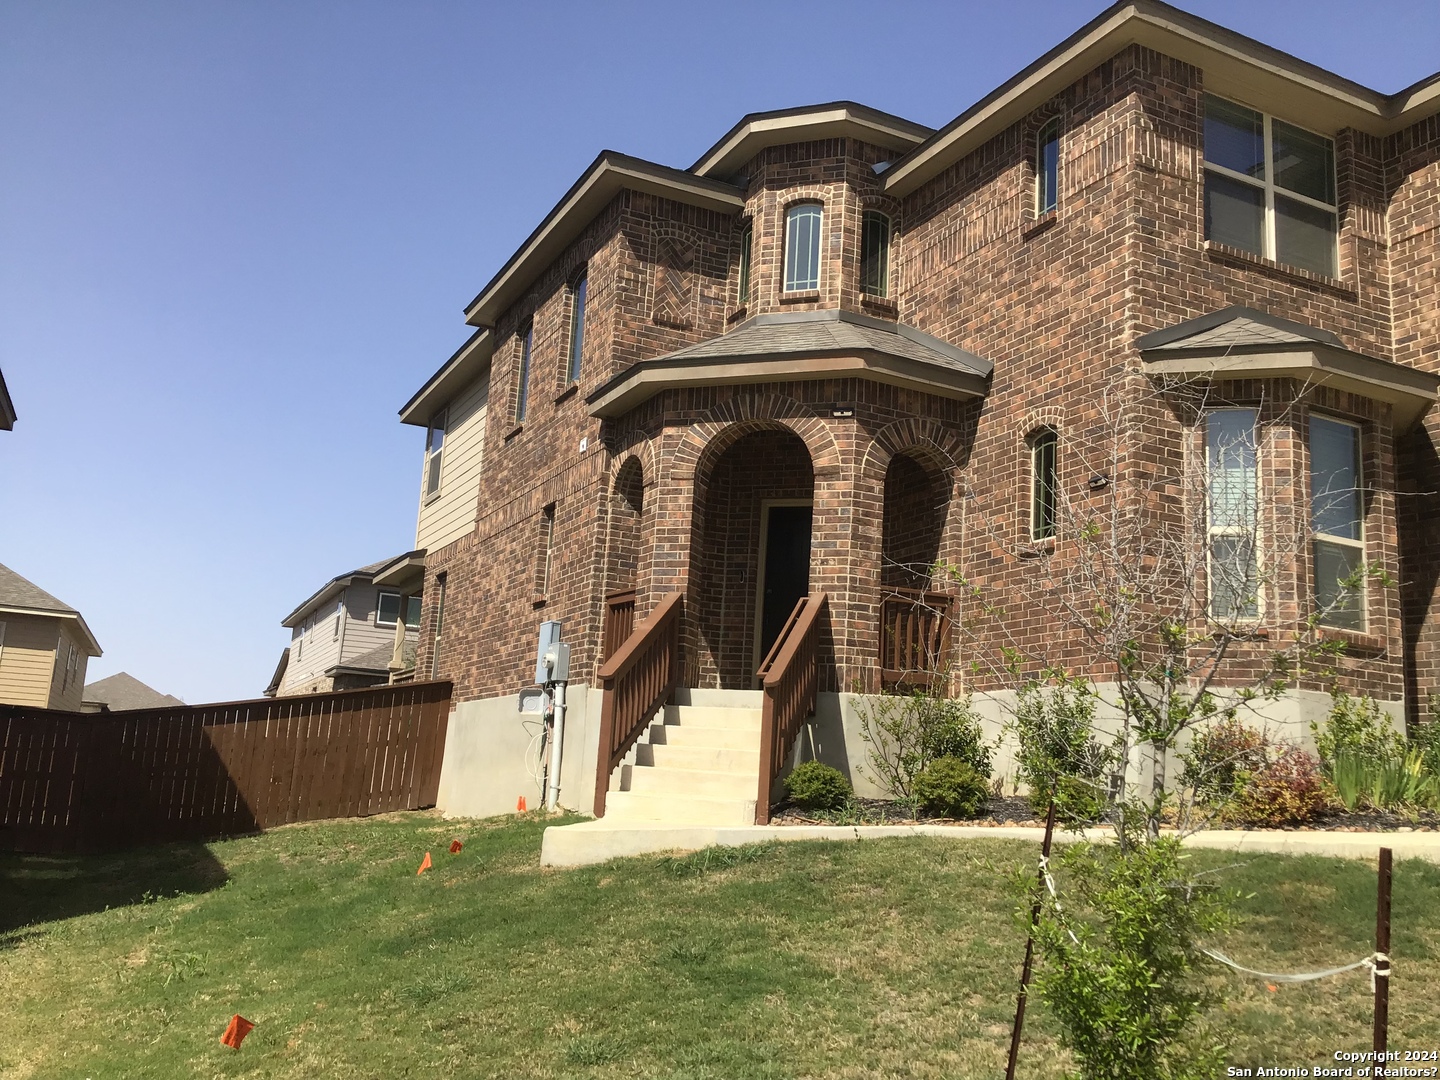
x=785, y=285
x=440, y=421
x=339, y=614
x=887, y=234
x=1330, y=538
x=1053, y=124
x=2, y=642
x=399, y=614
x=1212, y=530
x=1270, y=188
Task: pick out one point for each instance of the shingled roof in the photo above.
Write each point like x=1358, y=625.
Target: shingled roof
x=23, y=596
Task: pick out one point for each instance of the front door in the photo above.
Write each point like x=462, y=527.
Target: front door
x=785, y=569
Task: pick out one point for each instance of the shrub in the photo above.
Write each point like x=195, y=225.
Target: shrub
x=1221, y=759
x=1425, y=738
x=818, y=787
x=1289, y=790
x=906, y=733
x=949, y=787
x=1356, y=727
x=1059, y=756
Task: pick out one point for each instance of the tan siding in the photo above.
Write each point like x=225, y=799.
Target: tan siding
x=451, y=514
x=61, y=695
x=27, y=659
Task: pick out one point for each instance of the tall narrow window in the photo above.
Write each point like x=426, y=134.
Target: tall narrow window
x=1269, y=187
x=802, y=247
x=434, y=447
x=1233, y=511
x=412, y=613
x=1043, y=446
x=577, y=329
x=1047, y=168
x=522, y=376
x=439, y=626
x=747, y=239
x=1337, y=521
x=544, y=551
x=339, y=614
x=875, y=254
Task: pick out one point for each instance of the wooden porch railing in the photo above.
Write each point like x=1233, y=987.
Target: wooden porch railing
x=914, y=637
x=636, y=682
x=619, y=622
x=789, y=677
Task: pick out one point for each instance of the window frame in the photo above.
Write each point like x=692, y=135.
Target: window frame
x=1317, y=537
x=544, y=552
x=747, y=249
x=1269, y=249
x=339, y=614
x=435, y=455
x=579, y=294
x=522, y=372
x=886, y=227
x=406, y=601
x=1048, y=133
x=379, y=605
x=792, y=213
x=439, y=628
x=1212, y=530
x=1038, y=441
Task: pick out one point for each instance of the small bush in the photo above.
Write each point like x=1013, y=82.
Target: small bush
x=904, y=734
x=1058, y=755
x=1356, y=727
x=1221, y=760
x=814, y=786
x=1077, y=801
x=951, y=788
x=1289, y=790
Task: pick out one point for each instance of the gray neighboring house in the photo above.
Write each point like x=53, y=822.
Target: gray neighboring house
x=357, y=630
x=7, y=407
x=123, y=691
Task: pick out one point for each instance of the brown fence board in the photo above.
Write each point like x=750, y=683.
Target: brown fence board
x=77, y=782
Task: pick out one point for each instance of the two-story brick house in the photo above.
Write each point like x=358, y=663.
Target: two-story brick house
x=842, y=348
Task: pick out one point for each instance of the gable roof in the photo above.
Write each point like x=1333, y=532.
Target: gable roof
x=123, y=691
x=7, y=407
x=1234, y=64
x=273, y=688
x=833, y=120
x=24, y=597
x=1242, y=342
x=463, y=368
x=335, y=586
x=805, y=344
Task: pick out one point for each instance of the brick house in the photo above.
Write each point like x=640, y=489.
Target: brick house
x=842, y=347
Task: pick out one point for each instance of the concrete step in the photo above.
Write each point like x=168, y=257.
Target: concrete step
x=713, y=716
x=685, y=783
x=709, y=758
x=716, y=738
x=621, y=806
x=730, y=699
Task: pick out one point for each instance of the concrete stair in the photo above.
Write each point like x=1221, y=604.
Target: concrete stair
x=699, y=764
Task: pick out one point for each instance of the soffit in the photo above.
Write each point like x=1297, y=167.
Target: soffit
x=838, y=119
x=467, y=364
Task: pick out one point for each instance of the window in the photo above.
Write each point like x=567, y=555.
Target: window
x=439, y=625
x=747, y=239
x=387, y=609
x=544, y=550
x=412, y=613
x=522, y=390
x=802, y=247
x=1047, y=168
x=2, y=641
x=1337, y=521
x=339, y=614
x=1043, y=446
x=577, y=329
x=1232, y=497
x=434, y=445
x=1269, y=187
x=875, y=253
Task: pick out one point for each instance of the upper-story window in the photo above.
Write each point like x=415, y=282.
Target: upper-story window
x=1337, y=520
x=1233, y=511
x=522, y=376
x=875, y=253
x=747, y=242
x=1047, y=168
x=339, y=614
x=1269, y=187
x=434, y=452
x=802, y=247
x=577, y=329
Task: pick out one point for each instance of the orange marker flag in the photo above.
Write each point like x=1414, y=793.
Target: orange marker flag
x=236, y=1031
x=425, y=864
x=520, y=806
x=455, y=846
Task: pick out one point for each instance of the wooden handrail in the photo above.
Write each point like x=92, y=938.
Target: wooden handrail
x=619, y=622
x=636, y=681
x=915, y=627
x=790, y=680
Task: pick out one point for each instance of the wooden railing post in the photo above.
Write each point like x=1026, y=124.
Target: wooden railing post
x=790, y=681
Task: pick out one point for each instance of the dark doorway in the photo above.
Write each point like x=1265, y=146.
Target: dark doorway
x=786, y=574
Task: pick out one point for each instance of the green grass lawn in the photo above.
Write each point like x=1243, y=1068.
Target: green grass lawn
x=894, y=958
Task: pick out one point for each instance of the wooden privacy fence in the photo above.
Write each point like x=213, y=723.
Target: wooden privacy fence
x=101, y=781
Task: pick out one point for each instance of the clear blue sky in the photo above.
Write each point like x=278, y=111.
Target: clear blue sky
x=235, y=237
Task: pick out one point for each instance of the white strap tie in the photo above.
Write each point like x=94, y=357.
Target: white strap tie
x=1377, y=963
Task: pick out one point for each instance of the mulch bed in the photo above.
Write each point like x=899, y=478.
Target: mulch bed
x=1015, y=810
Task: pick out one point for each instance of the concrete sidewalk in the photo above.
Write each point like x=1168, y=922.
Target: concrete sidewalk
x=598, y=841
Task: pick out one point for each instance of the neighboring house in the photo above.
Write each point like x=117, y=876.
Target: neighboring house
x=7, y=407
x=45, y=647
x=842, y=346
x=123, y=691
x=357, y=630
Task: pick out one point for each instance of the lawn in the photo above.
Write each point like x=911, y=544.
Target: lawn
x=894, y=958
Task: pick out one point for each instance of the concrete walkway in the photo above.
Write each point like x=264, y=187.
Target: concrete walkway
x=599, y=841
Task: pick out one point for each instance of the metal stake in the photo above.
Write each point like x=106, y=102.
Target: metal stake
x=1382, y=964
x=1030, y=947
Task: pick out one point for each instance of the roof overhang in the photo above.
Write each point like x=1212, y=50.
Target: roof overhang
x=1234, y=65
x=7, y=407
x=838, y=119
x=650, y=377
x=1409, y=392
x=92, y=647
x=405, y=573
x=610, y=174
x=463, y=368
